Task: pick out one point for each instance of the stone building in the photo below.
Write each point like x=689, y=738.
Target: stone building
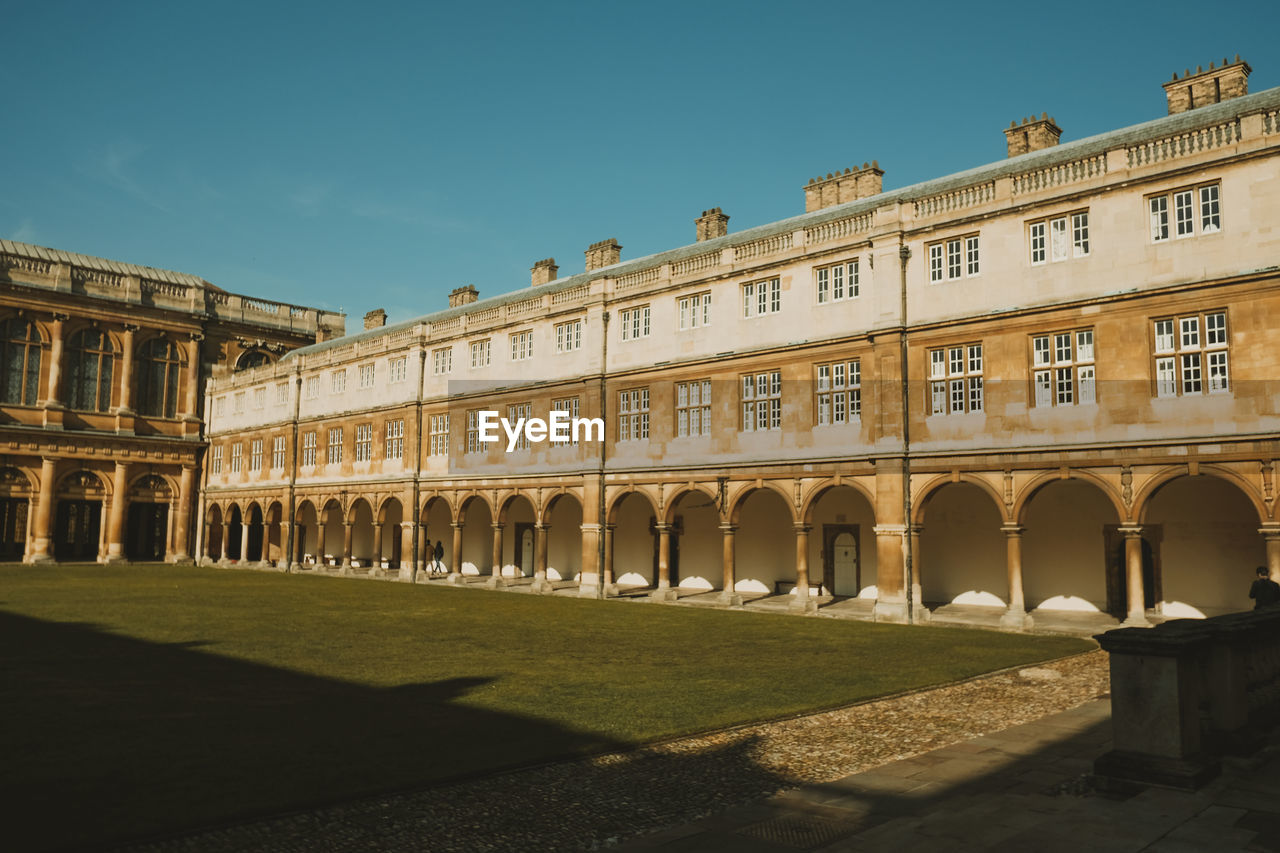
x=1038, y=389
x=101, y=410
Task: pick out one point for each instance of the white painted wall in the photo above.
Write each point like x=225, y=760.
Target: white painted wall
x=633, y=544
x=766, y=543
x=1063, y=547
x=963, y=551
x=564, y=543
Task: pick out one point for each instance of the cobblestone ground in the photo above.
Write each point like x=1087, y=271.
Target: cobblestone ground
x=596, y=803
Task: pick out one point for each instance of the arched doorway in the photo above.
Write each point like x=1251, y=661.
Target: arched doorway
x=1069, y=529
x=696, y=550
x=387, y=535
x=842, y=544
x=564, y=538
x=436, y=530
x=963, y=559
x=1203, y=533
x=213, y=534
x=360, y=517
x=15, y=510
x=477, y=537
x=765, y=559
x=78, y=522
x=147, y=525
x=331, y=535
x=634, y=539
x=233, y=535
x=306, y=533
x=517, y=518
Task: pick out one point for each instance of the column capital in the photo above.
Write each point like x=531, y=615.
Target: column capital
x=498, y=525
x=1270, y=530
x=59, y=317
x=539, y=525
x=195, y=337
x=728, y=529
x=130, y=327
x=1130, y=531
x=801, y=527
x=457, y=525
x=662, y=527
x=1012, y=529
x=889, y=529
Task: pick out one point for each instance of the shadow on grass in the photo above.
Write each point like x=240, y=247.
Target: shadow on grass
x=107, y=737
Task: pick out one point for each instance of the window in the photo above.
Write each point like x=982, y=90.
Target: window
x=19, y=362
x=91, y=358
x=570, y=405
x=473, y=431
x=693, y=408
x=309, y=448
x=1195, y=210
x=633, y=414
x=220, y=406
x=522, y=345
x=569, y=336
x=955, y=379
x=1059, y=238
x=394, y=448
x=335, y=446
x=216, y=465
x=955, y=258
x=237, y=451
x=439, y=429
x=1062, y=368
x=761, y=297
x=515, y=413
x=694, y=310
x=635, y=322
x=259, y=398
x=277, y=453
x=338, y=381
x=312, y=387
x=238, y=402
x=159, y=363
x=367, y=374
x=839, y=392
x=364, y=442
x=761, y=401
x=282, y=394
x=480, y=353
x=442, y=361
x=1191, y=354
x=255, y=455
x=837, y=282
x=396, y=369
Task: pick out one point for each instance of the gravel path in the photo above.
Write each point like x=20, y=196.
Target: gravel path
x=594, y=803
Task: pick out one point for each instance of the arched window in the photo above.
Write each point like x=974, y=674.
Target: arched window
x=252, y=358
x=159, y=362
x=19, y=362
x=90, y=358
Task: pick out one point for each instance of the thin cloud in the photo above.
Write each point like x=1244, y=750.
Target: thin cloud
x=115, y=166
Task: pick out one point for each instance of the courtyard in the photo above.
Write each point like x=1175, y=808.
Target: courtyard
x=154, y=699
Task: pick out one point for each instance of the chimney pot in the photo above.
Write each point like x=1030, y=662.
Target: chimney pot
x=604, y=253
x=711, y=224
x=463, y=295
x=1032, y=135
x=543, y=271
x=375, y=319
x=1221, y=83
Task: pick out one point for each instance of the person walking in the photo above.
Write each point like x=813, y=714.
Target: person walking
x=1265, y=592
x=438, y=554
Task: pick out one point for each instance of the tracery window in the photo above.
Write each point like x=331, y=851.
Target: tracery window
x=19, y=362
x=159, y=363
x=90, y=357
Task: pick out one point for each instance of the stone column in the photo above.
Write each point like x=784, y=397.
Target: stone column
x=664, y=592
x=54, y=399
x=540, y=583
x=728, y=595
x=346, y=546
x=1016, y=615
x=170, y=516
x=320, y=551
x=455, y=566
x=1137, y=611
x=244, y=538
x=590, y=576
x=804, y=602
x=406, y=551
x=285, y=563
x=377, y=546
x=182, y=523
x=226, y=538
x=1271, y=536
x=495, y=579
x=42, y=543
x=919, y=613
x=126, y=369
x=891, y=598
x=192, y=406
x=115, y=524
x=610, y=588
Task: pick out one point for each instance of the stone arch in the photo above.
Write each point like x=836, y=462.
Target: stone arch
x=696, y=545
x=1142, y=500
x=354, y=506
x=683, y=491
x=926, y=493
x=83, y=482
x=962, y=558
x=633, y=556
x=815, y=493
x=213, y=519
x=518, y=515
x=842, y=552
x=476, y=516
x=548, y=505
x=15, y=483
x=306, y=521
x=253, y=357
x=744, y=494
x=562, y=523
x=1068, y=528
x=1040, y=481
x=435, y=525
x=429, y=504
x=507, y=500
x=468, y=501
x=616, y=501
x=765, y=519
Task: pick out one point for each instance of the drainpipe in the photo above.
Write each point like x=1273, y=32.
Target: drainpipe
x=417, y=461
x=293, y=470
x=904, y=254
x=604, y=407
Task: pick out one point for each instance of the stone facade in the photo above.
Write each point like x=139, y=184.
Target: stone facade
x=1041, y=387
x=101, y=411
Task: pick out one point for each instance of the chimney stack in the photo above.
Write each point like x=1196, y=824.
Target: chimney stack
x=1208, y=87
x=605, y=253
x=375, y=319
x=711, y=224
x=463, y=295
x=836, y=189
x=544, y=271
x=1032, y=135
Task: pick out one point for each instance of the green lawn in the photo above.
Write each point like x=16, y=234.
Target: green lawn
x=139, y=700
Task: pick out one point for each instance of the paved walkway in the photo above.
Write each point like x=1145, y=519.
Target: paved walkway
x=1021, y=789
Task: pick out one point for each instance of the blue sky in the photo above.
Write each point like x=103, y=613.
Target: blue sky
x=379, y=156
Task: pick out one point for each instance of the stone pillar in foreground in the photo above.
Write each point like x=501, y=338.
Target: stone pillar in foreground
x=728, y=560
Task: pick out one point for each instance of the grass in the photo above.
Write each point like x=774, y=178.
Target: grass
x=140, y=700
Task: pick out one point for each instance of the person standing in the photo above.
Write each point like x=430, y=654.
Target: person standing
x=1265, y=592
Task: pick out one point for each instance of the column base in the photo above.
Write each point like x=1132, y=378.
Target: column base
x=456, y=579
x=920, y=614
x=894, y=612
x=542, y=586
x=729, y=598
x=112, y=559
x=406, y=574
x=664, y=594
x=39, y=559
x=1136, y=620
x=1016, y=620
x=181, y=560
x=803, y=604
x=495, y=582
